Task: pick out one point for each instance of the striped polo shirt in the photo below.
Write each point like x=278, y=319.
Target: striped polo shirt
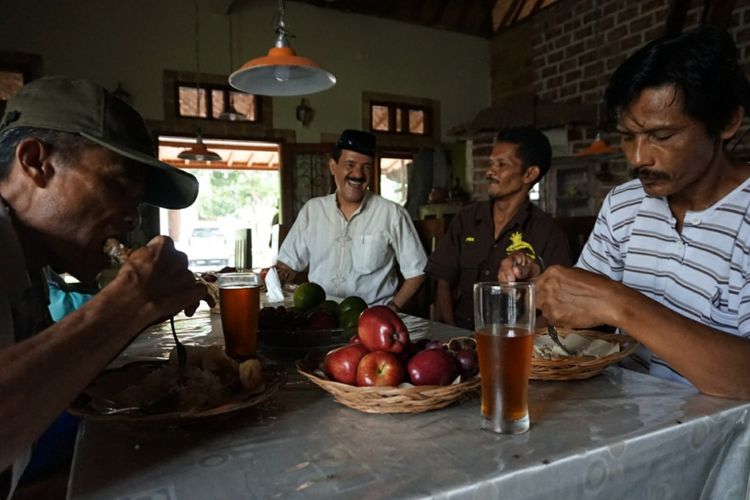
x=701, y=273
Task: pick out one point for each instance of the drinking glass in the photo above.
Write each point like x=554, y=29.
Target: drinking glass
x=504, y=317
x=239, y=302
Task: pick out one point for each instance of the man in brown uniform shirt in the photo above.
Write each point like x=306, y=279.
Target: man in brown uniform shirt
x=483, y=233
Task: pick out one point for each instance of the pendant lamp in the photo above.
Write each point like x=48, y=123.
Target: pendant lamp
x=231, y=112
x=282, y=72
x=598, y=147
x=198, y=151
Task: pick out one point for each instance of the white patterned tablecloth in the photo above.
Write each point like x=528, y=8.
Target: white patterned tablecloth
x=618, y=435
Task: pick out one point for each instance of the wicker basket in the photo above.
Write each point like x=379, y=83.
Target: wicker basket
x=578, y=368
x=415, y=399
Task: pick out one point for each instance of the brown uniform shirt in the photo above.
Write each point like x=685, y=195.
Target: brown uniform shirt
x=468, y=253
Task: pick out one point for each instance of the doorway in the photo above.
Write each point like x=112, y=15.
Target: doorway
x=239, y=192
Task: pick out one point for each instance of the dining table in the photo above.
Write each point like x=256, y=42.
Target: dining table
x=619, y=434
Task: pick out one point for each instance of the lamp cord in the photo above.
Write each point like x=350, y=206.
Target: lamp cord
x=197, y=60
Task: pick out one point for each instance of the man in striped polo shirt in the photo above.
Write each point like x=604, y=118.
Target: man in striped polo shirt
x=669, y=258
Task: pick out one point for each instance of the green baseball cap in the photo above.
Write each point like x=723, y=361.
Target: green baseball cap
x=84, y=108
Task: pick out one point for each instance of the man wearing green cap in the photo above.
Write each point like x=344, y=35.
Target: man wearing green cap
x=75, y=163
x=353, y=241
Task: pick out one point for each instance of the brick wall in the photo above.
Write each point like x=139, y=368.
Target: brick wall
x=567, y=52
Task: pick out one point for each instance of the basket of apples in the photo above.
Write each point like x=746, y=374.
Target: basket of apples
x=382, y=371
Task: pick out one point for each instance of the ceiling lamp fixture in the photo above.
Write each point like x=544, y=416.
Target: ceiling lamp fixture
x=231, y=112
x=282, y=72
x=198, y=151
x=598, y=147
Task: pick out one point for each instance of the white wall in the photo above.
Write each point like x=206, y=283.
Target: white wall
x=133, y=41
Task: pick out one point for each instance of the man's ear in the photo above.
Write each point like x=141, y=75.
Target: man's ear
x=735, y=121
x=531, y=174
x=332, y=166
x=33, y=156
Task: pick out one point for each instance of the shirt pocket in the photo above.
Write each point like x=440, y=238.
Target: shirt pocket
x=370, y=252
x=720, y=316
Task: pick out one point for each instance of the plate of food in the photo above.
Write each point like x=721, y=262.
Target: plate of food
x=155, y=392
x=593, y=352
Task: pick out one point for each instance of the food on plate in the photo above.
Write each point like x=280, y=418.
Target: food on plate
x=545, y=348
x=308, y=295
x=467, y=362
x=432, y=367
x=381, y=329
x=329, y=305
x=341, y=364
x=380, y=368
x=210, y=379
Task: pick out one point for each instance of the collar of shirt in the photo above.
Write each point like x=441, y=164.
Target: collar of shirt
x=483, y=217
x=362, y=204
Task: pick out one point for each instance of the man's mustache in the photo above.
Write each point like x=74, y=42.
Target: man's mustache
x=647, y=173
x=355, y=179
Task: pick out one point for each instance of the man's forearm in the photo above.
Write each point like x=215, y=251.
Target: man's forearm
x=717, y=363
x=40, y=376
x=408, y=288
x=444, y=303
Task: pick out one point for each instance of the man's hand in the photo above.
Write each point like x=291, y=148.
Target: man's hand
x=286, y=273
x=518, y=266
x=576, y=298
x=158, y=273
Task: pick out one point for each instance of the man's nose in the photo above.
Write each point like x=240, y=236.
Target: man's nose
x=132, y=220
x=641, y=155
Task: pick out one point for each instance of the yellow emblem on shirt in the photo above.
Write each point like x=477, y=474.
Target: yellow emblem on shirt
x=470, y=239
x=517, y=244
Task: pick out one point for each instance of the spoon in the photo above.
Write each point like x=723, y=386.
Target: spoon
x=181, y=353
x=552, y=332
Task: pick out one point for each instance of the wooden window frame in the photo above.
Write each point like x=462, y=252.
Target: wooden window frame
x=208, y=89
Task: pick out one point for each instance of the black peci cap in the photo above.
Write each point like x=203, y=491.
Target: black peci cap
x=356, y=140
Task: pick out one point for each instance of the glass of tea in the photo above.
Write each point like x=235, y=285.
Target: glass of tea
x=504, y=317
x=239, y=303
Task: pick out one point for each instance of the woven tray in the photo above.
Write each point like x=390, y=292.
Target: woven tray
x=415, y=399
x=578, y=368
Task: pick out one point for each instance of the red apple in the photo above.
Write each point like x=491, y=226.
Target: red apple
x=380, y=329
x=354, y=339
x=341, y=364
x=466, y=362
x=380, y=368
x=432, y=367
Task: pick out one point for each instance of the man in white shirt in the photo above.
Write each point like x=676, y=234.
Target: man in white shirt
x=669, y=258
x=353, y=241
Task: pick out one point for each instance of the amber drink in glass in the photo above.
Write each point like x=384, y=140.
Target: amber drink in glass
x=239, y=302
x=504, y=317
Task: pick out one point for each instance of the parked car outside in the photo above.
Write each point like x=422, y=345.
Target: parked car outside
x=207, y=248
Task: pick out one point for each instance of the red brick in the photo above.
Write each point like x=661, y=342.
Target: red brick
x=642, y=23
x=572, y=25
x=653, y=33
x=593, y=69
x=568, y=90
x=562, y=41
x=585, y=32
x=555, y=57
x=605, y=23
x=575, y=49
x=554, y=82
x=631, y=43
x=574, y=75
x=626, y=15
x=617, y=33
x=549, y=96
x=548, y=71
x=587, y=84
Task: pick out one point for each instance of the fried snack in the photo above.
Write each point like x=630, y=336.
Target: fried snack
x=116, y=251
